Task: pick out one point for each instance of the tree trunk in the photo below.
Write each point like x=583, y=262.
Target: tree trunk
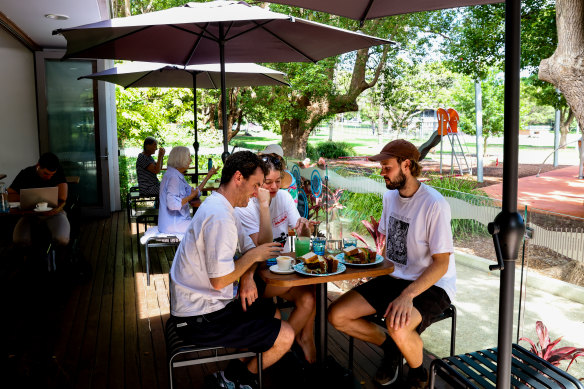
x=294, y=138
x=485, y=139
x=565, y=68
x=565, y=125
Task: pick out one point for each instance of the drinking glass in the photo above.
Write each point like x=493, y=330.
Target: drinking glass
x=349, y=242
x=334, y=246
x=318, y=245
x=302, y=245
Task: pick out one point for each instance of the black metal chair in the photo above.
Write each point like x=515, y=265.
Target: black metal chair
x=450, y=312
x=478, y=369
x=133, y=202
x=180, y=353
x=153, y=238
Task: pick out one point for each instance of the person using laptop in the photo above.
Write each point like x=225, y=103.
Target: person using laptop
x=46, y=173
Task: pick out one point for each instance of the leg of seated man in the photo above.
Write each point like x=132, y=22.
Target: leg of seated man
x=22, y=231
x=302, y=316
x=347, y=315
x=59, y=227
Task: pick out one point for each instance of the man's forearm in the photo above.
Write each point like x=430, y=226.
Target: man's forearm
x=241, y=266
x=429, y=277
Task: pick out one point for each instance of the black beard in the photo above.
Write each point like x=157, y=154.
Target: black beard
x=400, y=183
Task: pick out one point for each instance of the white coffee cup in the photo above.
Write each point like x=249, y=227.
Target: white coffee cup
x=42, y=206
x=284, y=263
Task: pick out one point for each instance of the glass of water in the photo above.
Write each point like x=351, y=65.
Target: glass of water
x=318, y=246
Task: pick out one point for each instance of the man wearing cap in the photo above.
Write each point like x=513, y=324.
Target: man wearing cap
x=416, y=222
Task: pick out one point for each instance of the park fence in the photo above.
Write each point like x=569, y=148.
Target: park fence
x=561, y=234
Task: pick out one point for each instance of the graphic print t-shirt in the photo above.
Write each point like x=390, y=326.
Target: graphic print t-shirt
x=417, y=228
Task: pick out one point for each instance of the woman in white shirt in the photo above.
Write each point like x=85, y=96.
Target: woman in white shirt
x=174, y=214
x=265, y=218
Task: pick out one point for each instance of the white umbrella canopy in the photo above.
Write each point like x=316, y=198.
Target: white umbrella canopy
x=373, y=9
x=208, y=76
x=215, y=32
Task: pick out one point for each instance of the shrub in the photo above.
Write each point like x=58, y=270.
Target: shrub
x=361, y=206
x=329, y=150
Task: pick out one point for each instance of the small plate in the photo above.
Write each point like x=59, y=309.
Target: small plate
x=43, y=210
x=299, y=268
x=341, y=259
x=274, y=269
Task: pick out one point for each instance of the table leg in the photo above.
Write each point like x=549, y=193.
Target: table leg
x=321, y=323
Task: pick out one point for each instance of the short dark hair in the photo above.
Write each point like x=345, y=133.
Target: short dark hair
x=148, y=141
x=244, y=162
x=49, y=161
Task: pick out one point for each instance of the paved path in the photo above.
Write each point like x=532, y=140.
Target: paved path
x=559, y=191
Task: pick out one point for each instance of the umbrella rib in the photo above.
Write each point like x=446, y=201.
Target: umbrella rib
x=258, y=25
x=288, y=44
x=211, y=80
x=275, y=79
x=200, y=37
x=130, y=85
x=200, y=34
x=366, y=12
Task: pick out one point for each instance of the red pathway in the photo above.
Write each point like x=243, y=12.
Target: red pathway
x=558, y=191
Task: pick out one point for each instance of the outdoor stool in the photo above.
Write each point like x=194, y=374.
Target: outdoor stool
x=150, y=216
x=176, y=347
x=450, y=312
x=154, y=238
x=479, y=370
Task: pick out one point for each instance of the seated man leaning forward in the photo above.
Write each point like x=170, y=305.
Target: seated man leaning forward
x=174, y=214
x=268, y=216
x=203, y=273
x=416, y=222
x=46, y=173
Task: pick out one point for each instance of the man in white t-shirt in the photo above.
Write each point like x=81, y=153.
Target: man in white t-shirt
x=416, y=222
x=203, y=272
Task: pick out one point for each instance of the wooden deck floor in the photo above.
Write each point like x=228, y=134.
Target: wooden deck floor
x=107, y=332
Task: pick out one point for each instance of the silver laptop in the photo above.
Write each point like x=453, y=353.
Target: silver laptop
x=29, y=198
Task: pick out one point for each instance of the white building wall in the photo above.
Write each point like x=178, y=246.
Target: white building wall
x=19, y=144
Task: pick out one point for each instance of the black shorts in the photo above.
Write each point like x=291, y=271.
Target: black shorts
x=255, y=330
x=382, y=290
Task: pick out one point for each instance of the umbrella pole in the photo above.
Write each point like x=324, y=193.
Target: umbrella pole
x=223, y=94
x=509, y=223
x=195, y=125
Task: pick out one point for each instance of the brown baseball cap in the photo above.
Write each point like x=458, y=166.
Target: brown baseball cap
x=397, y=148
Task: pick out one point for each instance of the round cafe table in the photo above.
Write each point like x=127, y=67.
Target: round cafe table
x=295, y=279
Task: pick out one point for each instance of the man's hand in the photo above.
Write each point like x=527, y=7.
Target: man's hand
x=399, y=312
x=266, y=251
x=264, y=197
x=248, y=291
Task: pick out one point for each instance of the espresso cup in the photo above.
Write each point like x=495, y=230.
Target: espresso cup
x=284, y=263
x=42, y=206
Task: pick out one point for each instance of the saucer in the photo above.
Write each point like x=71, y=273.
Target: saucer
x=43, y=210
x=274, y=269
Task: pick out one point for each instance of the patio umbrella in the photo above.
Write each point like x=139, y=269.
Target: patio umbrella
x=149, y=74
x=215, y=32
x=372, y=9
x=508, y=227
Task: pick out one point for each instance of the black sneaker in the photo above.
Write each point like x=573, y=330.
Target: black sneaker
x=388, y=372
x=418, y=381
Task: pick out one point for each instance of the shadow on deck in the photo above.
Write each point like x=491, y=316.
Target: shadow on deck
x=107, y=332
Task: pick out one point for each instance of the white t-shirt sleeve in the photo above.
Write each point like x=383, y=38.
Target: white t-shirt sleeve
x=439, y=229
x=219, y=248
x=249, y=218
x=382, y=228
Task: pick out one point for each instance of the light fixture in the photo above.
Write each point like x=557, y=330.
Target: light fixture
x=56, y=16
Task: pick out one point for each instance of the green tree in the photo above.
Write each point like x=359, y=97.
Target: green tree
x=493, y=91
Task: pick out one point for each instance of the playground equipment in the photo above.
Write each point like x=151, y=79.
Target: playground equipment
x=447, y=126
